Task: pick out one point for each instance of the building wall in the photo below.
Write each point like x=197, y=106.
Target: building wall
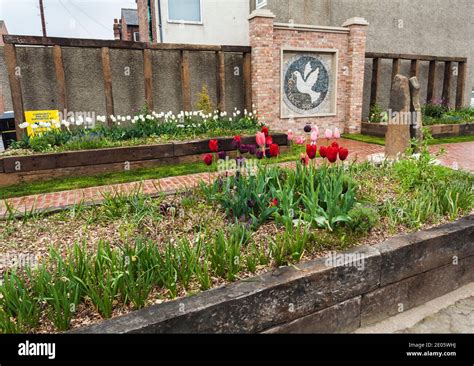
x=223, y=23
x=428, y=27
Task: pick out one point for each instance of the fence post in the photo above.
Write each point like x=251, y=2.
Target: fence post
x=396, y=64
x=431, y=90
x=14, y=75
x=148, y=76
x=220, y=61
x=447, y=82
x=247, y=79
x=60, y=78
x=107, y=74
x=375, y=81
x=461, y=84
x=186, y=90
x=414, y=68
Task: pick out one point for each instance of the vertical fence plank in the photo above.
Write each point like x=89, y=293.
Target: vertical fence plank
x=220, y=61
x=431, y=89
x=247, y=78
x=375, y=81
x=148, y=76
x=185, y=81
x=447, y=82
x=107, y=74
x=15, y=87
x=396, y=65
x=461, y=84
x=60, y=77
x=415, y=68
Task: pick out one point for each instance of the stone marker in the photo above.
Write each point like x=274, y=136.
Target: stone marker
x=417, y=120
x=397, y=138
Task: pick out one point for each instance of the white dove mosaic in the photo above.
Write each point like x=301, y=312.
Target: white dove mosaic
x=307, y=84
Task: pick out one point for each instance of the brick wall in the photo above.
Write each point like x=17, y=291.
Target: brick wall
x=267, y=41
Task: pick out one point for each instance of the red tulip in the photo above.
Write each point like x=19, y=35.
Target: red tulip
x=236, y=142
x=268, y=141
x=274, y=202
x=213, y=145
x=311, y=151
x=304, y=159
x=274, y=150
x=332, y=154
x=343, y=153
x=207, y=159
x=334, y=144
x=323, y=151
x=265, y=130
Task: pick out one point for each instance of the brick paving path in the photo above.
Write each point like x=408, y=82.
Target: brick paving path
x=461, y=154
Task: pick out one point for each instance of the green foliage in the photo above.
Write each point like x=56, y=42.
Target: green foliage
x=204, y=101
x=377, y=114
x=363, y=218
x=441, y=114
x=322, y=197
x=147, y=130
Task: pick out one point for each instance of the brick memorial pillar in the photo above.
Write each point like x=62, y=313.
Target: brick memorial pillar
x=356, y=57
x=264, y=75
x=307, y=74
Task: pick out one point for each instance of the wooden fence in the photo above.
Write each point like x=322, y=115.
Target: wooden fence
x=12, y=41
x=414, y=71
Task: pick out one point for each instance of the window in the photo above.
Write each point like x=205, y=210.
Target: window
x=136, y=36
x=260, y=3
x=188, y=11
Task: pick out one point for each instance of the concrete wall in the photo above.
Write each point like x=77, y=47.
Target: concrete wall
x=85, y=86
x=223, y=22
x=429, y=27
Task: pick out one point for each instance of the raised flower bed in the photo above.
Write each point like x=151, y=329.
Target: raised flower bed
x=133, y=252
x=38, y=166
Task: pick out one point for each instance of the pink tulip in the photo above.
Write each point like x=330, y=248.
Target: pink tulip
x=337, y=134
x=315, y=129
x=290, y=135
x=328, y=133
x=314, y=135
x=260, y=138
x=300, y=140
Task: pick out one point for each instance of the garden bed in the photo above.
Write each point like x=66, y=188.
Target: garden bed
x=437, y=131
x=15, y=169
x=322, y=297
x=133, y=252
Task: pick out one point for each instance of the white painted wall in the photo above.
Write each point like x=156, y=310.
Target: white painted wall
x=224, y=22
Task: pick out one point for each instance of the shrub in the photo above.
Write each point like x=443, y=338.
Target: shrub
x=363, y=218
x=204, y=101
x=376, y=114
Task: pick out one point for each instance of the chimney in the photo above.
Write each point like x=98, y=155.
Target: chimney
x=117, y=29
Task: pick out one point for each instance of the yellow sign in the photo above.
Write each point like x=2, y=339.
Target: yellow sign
x=40, y=117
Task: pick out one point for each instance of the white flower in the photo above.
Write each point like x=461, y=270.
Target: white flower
x=230, y=119
x=88, y=120
x=180, y=126
x=148, y=117
x=24, y=125
x=79, y=122
x=34, y=126
x=112, y=117
x=65, y=124
x=124, y=119
x=129, y=118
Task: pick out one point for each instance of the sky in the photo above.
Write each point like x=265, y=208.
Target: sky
x=64, y=18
